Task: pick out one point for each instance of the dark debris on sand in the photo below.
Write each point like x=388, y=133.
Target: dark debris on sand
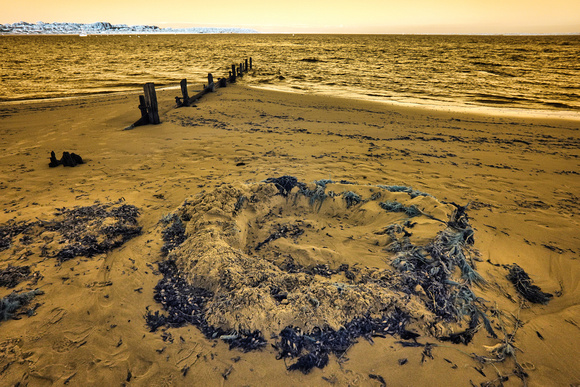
x=313, y=349
x=430, y=269
x=11, y=230
x=524, y=285
x=284, y=184
x=67, y=160
x=10, y=304
x=94, y=229
x=174, y=234
x=82, y=231
x=13, y=275
x=184, y=304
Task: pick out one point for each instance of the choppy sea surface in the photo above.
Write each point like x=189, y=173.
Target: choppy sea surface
x=538, y=74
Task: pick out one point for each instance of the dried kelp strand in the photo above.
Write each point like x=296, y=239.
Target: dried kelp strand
x=524, y=285
x=351, y=198
x=410, y=211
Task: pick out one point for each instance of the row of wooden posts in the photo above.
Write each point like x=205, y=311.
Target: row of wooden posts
x=148, y=101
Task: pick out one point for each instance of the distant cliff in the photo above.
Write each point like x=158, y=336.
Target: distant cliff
x=103, y=28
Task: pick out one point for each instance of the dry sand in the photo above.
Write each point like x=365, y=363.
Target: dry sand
x=520, y=175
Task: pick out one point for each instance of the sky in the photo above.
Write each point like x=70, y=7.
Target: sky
x=313, y=16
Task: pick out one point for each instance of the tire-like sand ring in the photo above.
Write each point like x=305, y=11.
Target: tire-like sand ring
x=280, y=255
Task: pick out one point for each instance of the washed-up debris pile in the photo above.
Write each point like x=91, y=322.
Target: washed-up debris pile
x=275, y=259
x=79, y=231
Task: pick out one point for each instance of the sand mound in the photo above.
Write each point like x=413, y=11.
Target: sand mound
x=286, y=257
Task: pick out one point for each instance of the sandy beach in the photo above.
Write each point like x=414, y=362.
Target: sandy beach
x=519, y=175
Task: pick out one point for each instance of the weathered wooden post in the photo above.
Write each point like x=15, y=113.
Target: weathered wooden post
x=223, y=82
x=143, y=108
x=250, y=63
x=210, y=83
x=151, y=103
x=246, y=65
x=233, y=74
x=144, y=120
x=184, y=92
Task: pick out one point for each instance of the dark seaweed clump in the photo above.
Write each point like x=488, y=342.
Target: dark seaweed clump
x=313, y=349
x=185, y=303
x=11, y=303
x=284, y=184
x=10, y=230
x=13, y=275
x=524, y=285
x=87, y=233
x=351, y=199
x=390, y=206
x=174, y=235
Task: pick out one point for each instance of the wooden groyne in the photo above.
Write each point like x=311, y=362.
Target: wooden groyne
x=148, y=101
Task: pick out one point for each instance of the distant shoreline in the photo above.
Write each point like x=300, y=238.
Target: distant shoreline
x=106, y=28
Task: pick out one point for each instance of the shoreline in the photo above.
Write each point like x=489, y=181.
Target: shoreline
x=450, y=107
x=519, y=174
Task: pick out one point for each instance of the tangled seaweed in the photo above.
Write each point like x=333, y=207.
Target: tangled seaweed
x=410, y=211
x=426, y=273
x=10, y=230
x=351, y=199
x=10, y=304
x=83, y=231
x=94, y=229
x=174, y=235
x=524, y=285
x=185, y=304
x=313, y=349
x=13, y=275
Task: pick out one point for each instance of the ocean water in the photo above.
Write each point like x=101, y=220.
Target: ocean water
x=531, y=73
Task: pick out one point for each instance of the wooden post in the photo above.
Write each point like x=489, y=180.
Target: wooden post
x=151, y=102
x=210, y=83
x=246, y=65
x=143, y=108
x=223, y=82
x=250, y=63
x=144, y=120
x=184, y=92
x=233, y=74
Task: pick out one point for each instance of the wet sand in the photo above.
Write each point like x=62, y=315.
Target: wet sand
x=519, y=174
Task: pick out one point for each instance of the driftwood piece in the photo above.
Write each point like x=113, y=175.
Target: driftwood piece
x=67, y=160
